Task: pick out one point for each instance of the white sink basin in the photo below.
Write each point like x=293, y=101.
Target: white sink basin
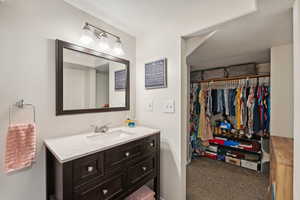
x=109, y=136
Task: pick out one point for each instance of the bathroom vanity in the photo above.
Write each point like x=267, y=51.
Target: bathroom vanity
x=104, y=166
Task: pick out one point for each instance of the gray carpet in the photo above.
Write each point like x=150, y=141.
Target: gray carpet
x=215, y=180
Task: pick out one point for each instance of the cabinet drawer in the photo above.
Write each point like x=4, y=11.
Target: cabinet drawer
x=141, y=169
x=103, y=191
x=84, y=169
x=121, y=154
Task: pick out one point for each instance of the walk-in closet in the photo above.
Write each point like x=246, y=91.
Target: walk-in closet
x=230, y=116
x=230, y=125
x=235, y=106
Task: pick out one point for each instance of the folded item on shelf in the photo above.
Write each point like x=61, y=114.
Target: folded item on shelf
x=246, y=145
x=235, y=154
x=220, y=138
x=212, y=148
x=231, y=143
x=217, y=141
x=211, y=155
x=221, y=157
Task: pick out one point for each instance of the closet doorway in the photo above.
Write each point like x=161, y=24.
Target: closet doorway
x=230, y=105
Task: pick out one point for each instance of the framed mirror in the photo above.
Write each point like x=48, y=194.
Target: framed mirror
x=89, y=81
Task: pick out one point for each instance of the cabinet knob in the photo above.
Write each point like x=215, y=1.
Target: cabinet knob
x=152, y=144
x=105, y=191
x=144, y=169
x=90, y=168
x=127, y=154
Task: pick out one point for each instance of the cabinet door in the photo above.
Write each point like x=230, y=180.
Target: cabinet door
x=87, y=168
x=107, y=190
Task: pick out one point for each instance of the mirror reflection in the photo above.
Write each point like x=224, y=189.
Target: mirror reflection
x=91, y=82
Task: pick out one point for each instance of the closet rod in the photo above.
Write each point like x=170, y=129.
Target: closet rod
x=231, y=78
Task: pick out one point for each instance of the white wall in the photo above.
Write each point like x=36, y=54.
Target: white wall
x=149, y=49
x=296, y=13
x=27, y=70
x=282, y=91
x=168, y=44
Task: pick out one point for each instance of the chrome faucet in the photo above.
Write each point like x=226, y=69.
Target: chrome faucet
x=100, y=129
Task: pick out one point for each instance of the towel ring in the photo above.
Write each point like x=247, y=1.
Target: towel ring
x=20, y=104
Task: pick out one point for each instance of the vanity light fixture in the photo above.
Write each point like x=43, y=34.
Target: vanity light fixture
x=87, y=36
x=91, y=32
x=103, y=42
x=118, y=49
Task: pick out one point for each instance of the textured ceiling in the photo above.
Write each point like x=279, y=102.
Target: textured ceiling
x=247, y=39
x=139, y=17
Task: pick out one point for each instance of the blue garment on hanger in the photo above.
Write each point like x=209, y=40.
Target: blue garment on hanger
x=256, y=118
x=231, y=99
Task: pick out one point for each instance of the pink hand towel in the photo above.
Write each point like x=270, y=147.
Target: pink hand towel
x=20, y=147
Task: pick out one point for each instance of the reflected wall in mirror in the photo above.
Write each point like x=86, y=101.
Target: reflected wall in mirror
x=90, y=81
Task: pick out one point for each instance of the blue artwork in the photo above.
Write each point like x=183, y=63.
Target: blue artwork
x=120, y=79
x=156, y=74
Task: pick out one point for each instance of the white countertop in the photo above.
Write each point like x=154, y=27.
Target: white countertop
x=72, y=147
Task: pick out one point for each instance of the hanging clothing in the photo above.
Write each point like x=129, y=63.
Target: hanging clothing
x=220, y=94
x=250, y=106
x=242, y=114
x=202, y=117
x=204, y=131
x=238, y=108
x=267, y=106
x=245, y=112
x=226, y=101
x=214, y=95
x=209, y=103
x=247, y=108
x=231, y=101
x=256, y=121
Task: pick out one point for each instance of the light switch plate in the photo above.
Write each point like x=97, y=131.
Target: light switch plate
x=169, y=106
x=149, y=105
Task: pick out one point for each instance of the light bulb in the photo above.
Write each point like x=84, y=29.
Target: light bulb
x=87, y=36
x=118, y=49
x=103, y=43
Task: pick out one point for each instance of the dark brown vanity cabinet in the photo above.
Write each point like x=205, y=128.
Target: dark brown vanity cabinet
x=111, y=174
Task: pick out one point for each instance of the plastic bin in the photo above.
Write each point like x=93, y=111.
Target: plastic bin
x=144, y=193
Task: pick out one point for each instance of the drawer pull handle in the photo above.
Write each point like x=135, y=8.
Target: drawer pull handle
x=144, y=169
x=127, y=154
x=151, y=144
x=90, y=168
x=104, y=191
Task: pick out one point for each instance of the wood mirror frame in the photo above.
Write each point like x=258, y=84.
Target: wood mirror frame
x=60, y=46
